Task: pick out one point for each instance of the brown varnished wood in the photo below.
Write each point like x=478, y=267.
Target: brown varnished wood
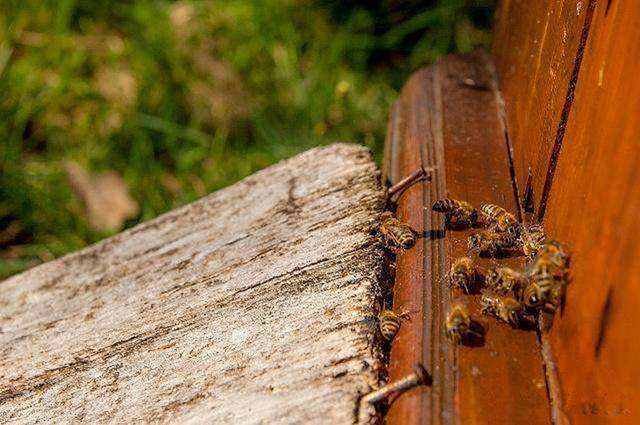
x=569, y=76
x=594, y=205
x=412, y=129
x=503, y=381
x=537, y=46
x=441, y=122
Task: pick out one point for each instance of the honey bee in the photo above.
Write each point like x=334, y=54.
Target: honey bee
x=548, y=277
x=504, y=280
x=500, y=219
x=463, y=274
x=540, y=292
x=490, y=243
x=556, y=253
x=532, y=238
x=458, y=213
x=459, y=325
x=543, y=268
x=396, y=233
x=544, y=294
x=505, y=308
x=555, y=296
x=389, y=322
x=551, y=262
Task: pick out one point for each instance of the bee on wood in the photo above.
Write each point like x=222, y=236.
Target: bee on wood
x=396, y=233
x=463, y=274
x=538, y=293
x=389, y=322
x=457, y=213
x=548, y=277
x=532, y=238
x=505, y=280
x=543, y=268
x=491, y=243
x=459, y=324
x=500, y=219
x=504, y=308
x=551, y=262
x=556, y=253
x=555, y=296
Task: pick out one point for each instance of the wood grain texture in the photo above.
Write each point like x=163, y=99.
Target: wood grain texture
x=537, y=46
x=255, y=304
x=594, y=206
x=458, y=129
x=503, y=381
x=418, y=341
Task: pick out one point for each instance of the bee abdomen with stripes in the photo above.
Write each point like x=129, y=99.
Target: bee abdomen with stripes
x=389, y=322
x=500, y=219
x=457, y=213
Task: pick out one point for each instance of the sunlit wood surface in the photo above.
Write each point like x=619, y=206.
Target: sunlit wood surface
x=252, y=305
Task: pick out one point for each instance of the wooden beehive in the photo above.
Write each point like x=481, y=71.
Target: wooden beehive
x=549, y=126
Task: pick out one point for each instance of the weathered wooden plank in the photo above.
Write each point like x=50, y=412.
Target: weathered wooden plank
x=252, y=305
x=594, y=206
x=448, y=117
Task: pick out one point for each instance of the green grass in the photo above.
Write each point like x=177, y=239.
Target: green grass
x=183, y=98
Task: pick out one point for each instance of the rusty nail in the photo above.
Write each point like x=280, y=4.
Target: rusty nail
x=409, y=180
x=419, y=377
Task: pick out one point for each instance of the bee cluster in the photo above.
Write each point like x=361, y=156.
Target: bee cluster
x=509, y=295
x=395, y=233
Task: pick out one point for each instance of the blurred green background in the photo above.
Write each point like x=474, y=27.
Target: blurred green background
x=183, y=98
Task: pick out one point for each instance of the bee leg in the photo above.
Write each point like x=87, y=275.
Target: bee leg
x=549, y=307
x=476, y=330
x=514, y=320
x=468, y=222
x=447, y=221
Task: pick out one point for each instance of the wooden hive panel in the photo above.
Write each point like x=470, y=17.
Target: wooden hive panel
x=443, y=123
x=594, y=206
x=538, y=46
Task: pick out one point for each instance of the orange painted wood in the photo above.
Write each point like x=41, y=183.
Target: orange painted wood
x=594, y=205
x=536, y=46
x=441, y=122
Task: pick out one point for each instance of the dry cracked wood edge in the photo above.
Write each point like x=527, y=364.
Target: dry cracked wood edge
x=254, y=304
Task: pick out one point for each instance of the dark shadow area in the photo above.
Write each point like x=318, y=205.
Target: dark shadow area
x=433, y=235
x=476, y=336
x=604, y=322
x=501, y=254
x=527, y=324
x=456, y=226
